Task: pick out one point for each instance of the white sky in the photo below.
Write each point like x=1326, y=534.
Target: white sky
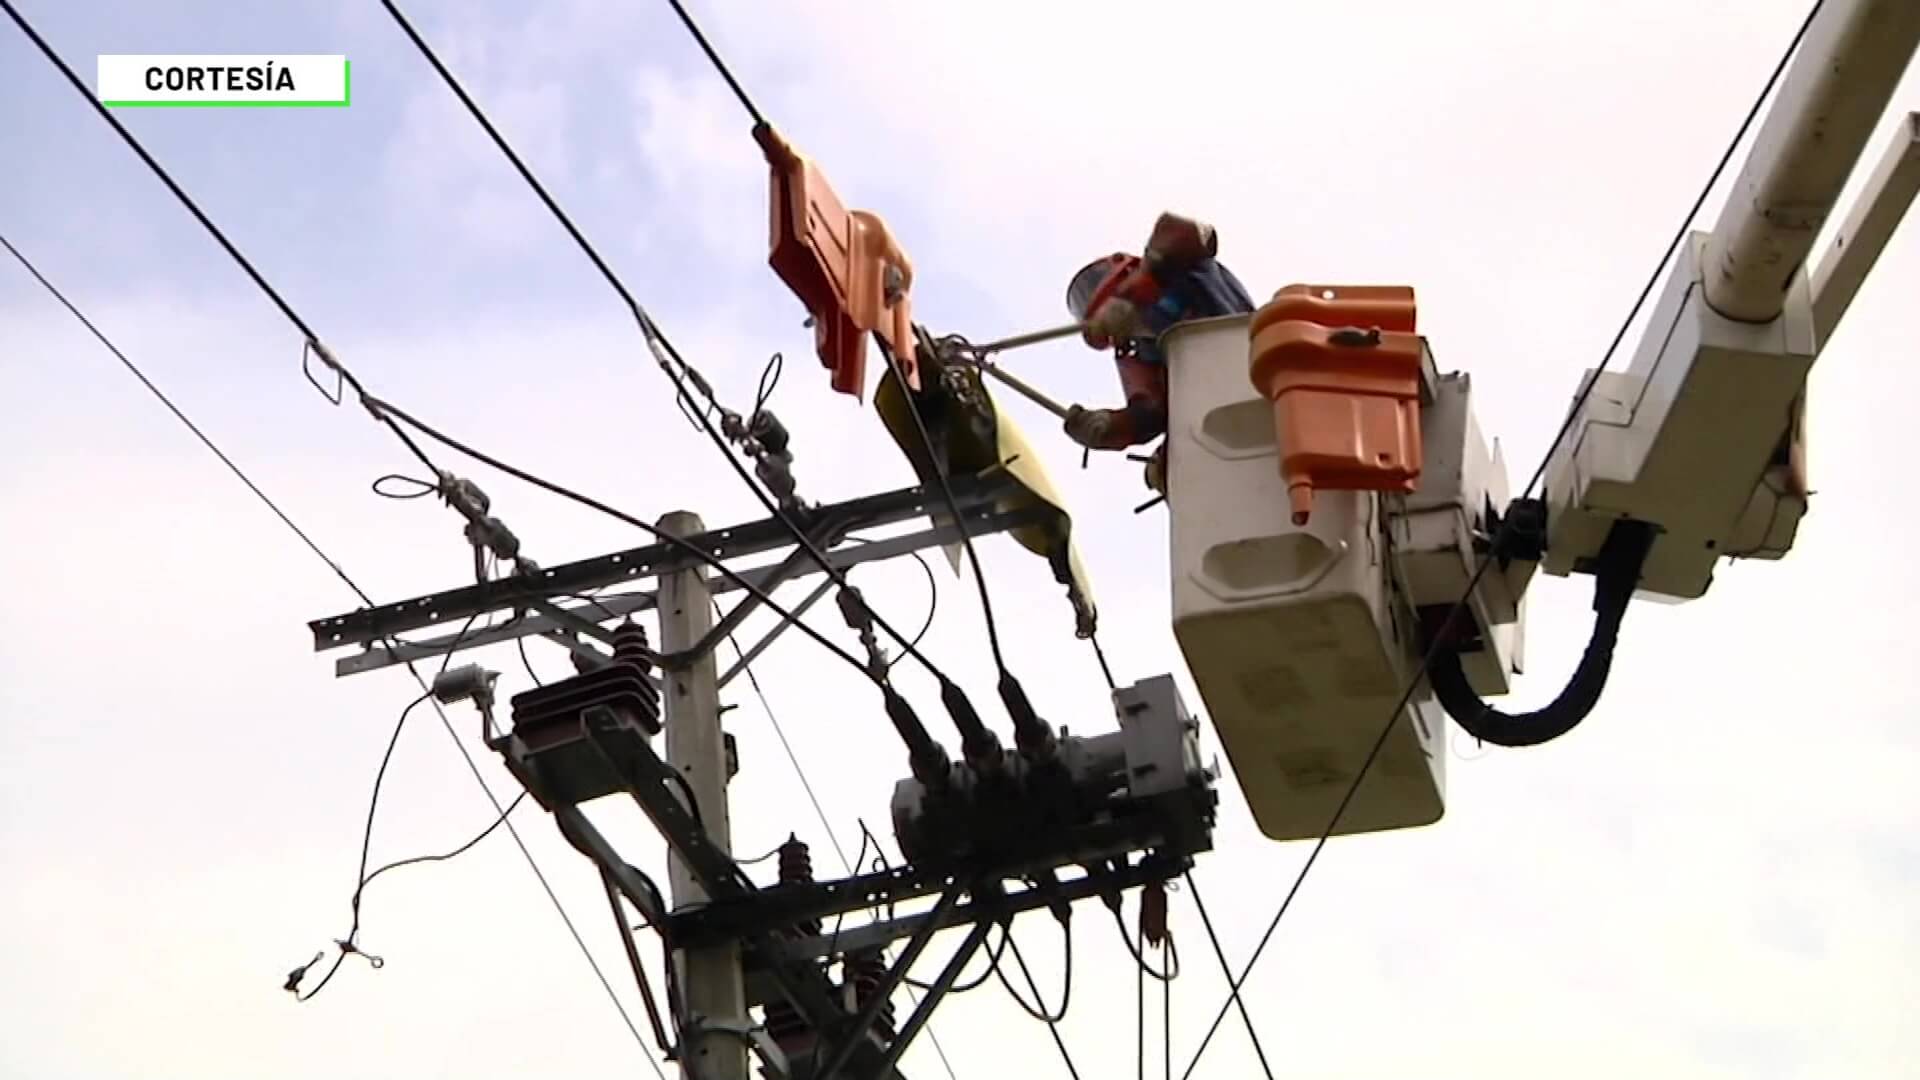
x=1715, y=876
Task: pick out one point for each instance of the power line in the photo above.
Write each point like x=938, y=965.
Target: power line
x=259, y=279
x=569, y=494
x=1506, y=526
x=1206, y=921
x=677, y=370
x=341, y=573
x=1010, y=688
x=382, y=411
x=719, y=65
x=806, y=783
x=893, y=362
x=1066, y=996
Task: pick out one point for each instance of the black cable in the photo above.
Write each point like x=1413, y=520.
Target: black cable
x=719, y=65
x=1038, y=1009
x=350, y=944
x=953, y=507
x=185, y=421
x=526, y=661
x=933, y=598
x=1053, y=1024
x=456, y=852
x=993, y=964
x=193, y=208
x=678, y=371
x=339, y=572
x=1505, y=530
x=833, y=837
x=780, y=732
x=1253, y=1033
x=641, y=982
x=769, y=379
x=1100, y=654
x=1166, y=1023
x=653, y=530
x=1139, y=1018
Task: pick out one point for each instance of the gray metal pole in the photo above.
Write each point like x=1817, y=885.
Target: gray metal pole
x=713, y=988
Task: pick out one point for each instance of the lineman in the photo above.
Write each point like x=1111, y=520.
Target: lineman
x=1126, y=303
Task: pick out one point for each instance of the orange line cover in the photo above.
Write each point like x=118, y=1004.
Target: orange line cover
x=844, y=265
x=1341, y=365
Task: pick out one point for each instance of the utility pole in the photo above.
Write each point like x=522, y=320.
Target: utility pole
x=984, y=841
x=714, y=1047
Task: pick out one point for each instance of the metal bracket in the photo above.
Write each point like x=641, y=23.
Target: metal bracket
x=801, y=982
x=748, y=656
x=370, y=625
x=785, y=905
x=994, y=907
x=849, y=1039
x=383, y=654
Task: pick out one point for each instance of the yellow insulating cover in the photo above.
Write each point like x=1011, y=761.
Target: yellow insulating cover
x=980, y=436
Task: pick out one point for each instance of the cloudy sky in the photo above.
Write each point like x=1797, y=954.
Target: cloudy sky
x=1715, y=876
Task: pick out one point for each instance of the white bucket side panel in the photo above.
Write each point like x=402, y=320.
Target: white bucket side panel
x=1286, y=629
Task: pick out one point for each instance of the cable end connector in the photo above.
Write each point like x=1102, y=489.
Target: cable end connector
x=312, y=349
x=470, y=682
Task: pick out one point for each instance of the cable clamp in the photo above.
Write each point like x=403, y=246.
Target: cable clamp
x=348, y=948
x=307, y=353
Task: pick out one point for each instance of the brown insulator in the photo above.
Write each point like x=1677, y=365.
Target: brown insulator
x=866, y=970
x=796, y=868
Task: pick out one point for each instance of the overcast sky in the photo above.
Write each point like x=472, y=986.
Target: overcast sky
x=1714, y=877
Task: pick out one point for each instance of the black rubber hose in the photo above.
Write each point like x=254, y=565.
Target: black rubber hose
x=1616, y=574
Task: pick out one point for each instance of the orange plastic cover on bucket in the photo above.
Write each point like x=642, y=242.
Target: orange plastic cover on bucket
x=1341, y=365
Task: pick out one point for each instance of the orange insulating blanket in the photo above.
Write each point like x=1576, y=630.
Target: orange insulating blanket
x=1341, y=365
x=843, y=265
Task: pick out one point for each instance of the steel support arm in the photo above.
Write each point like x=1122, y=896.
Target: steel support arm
x=1849, y=63
x=934, y=994
x=976, y=494
x=1871, y=222
x=982, y=522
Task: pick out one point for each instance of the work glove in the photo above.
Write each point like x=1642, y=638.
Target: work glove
x=1089, y=427
x=1117, y=320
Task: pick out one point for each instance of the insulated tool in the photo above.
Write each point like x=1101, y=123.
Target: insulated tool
x=1022, y=340
x=977, y=356
x=1019, y=386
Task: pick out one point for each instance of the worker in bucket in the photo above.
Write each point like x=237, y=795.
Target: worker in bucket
x=1125, y=303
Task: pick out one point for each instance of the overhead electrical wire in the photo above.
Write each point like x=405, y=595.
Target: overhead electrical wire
x=382, y=411
x=1010, y=689
x=1066, y=996
x=350, y=945
x=1573, y=414
x=1226, y=970
x=588, y=501
x=893, y=362
x=719, y=65
x=347, y=379
x=333, y=565
x=677, y=370
x=806, y=782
